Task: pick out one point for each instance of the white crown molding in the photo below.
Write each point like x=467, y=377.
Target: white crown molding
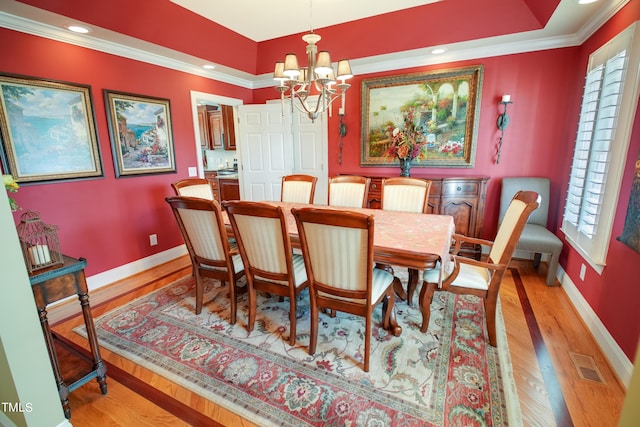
x=129, y=47
x=133, y=49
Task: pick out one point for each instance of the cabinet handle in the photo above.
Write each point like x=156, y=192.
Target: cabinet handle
x=374, y=186
x=459, y=189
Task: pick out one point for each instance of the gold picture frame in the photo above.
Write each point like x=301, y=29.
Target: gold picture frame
x=439, y=110
x=141, y=134
x=48, y=130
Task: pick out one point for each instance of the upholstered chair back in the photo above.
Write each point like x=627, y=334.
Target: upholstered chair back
x=298, y=188
x=405, y=194
x=193, y=187
x=349, y=191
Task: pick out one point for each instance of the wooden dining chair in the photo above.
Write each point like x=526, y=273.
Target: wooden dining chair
x=204, y=233
x=298, y=188
x=350, y=191
x=193, y=187
x=404, y=194
x=482, y=278
x=338, y=253
x=271, y=266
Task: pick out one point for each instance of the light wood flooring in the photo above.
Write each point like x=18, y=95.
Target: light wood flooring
x=547, y=342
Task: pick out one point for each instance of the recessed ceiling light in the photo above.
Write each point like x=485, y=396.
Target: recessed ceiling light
x=438, y=51
x=78, y=29
x=586, y=1
x=209, y=66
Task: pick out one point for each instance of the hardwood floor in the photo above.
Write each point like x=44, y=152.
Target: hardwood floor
x=547, y=342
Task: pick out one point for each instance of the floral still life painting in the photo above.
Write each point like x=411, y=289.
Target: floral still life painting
x=141, y=134
x=426, y=119
x=48, y=130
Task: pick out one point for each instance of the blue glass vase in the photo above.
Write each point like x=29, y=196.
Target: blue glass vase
x=405, y=167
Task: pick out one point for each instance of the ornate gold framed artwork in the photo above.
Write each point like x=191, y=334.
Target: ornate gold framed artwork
x=432, y=118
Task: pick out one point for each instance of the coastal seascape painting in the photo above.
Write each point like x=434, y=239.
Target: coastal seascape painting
x=48, y=130
x=141, y=134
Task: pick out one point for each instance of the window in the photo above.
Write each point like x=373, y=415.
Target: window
x=609, y=101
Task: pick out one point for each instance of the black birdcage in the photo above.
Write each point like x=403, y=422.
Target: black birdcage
x=39, y=242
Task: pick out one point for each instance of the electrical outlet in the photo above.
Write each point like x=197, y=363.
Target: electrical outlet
x=583, y=271
x=153, y=239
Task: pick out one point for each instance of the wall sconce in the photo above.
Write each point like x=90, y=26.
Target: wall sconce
x=343, y=132
x=503, y=122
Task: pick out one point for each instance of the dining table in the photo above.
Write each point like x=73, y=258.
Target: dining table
x=416, y=241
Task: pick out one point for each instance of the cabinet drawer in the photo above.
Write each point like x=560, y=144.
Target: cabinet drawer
x=460, y=188
x=375, y=187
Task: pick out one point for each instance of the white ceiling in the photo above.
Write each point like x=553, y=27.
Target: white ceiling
x=262, y=20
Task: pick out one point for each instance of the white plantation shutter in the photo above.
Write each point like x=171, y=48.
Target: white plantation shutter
x=608, y=108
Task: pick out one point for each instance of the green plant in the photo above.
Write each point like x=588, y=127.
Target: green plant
x=11, y=186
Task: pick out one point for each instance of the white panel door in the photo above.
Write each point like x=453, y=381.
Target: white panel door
x=266, y=150
x=310, y=151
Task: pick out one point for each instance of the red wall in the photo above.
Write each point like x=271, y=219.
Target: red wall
x=108, y=220
x=537, y=142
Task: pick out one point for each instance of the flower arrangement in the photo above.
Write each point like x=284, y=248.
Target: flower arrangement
x=407, y=143
x=11, y=186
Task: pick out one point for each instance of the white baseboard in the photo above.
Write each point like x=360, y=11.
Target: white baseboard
x=620, y=363
x=119, y=273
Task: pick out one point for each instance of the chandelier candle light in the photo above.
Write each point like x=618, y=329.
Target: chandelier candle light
x=316, y=79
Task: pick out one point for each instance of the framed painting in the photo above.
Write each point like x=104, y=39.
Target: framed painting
x=141, y=134
x=48, y=130
x=429, y=118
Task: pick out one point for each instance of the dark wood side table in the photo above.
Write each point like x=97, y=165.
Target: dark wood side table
x=53, y=284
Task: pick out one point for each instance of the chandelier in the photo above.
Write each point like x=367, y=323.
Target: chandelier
x=317, y=79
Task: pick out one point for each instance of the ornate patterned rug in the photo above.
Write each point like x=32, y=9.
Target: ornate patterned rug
x=448, y=376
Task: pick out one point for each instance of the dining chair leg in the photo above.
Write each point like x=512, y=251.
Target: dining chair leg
x=234, y=301
x=292, y=321
x=390, y=322
x=199, y=292
x=367, y=342
x=490, y=314
x=252, y=308
x=426, y=296
x=313, y=329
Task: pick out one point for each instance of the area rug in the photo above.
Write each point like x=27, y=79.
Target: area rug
x=447, y=376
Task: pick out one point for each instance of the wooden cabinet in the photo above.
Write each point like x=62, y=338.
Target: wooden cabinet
x=203, y=126
x=229, y=189
x=462, y=198
x=223, y=188
x=229, y=128
x=216, y=129
x=213, y=180
x=210, y=127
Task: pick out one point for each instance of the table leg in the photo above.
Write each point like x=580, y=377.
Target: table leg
x=98, y=364
x=412, y=284
x=63, y=390
x=426, y=296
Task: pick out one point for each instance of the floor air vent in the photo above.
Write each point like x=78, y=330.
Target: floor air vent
x=587, y=368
